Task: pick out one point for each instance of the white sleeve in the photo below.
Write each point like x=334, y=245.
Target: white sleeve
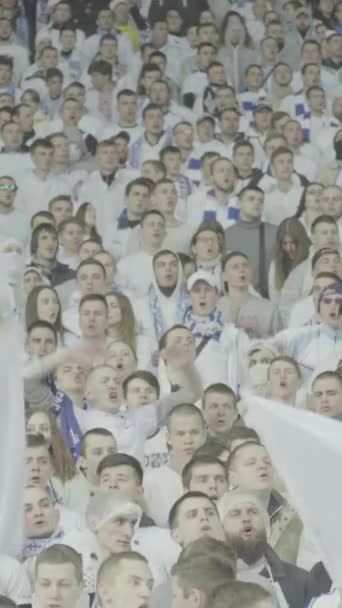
x=14, y=581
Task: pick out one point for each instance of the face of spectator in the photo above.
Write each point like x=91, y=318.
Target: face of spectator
x=61, y=210
x=153, y=230
x=127, y=108
x=325, y=235
x=166, y=270
x=209, y=479
x=39, y=424
x=244, y=527
x=71, y=238
x=12, y=136
x=165, y=199
x=219, y=412
x=254, y=78
x=107, y=159
x=48, y=306
x=57, y=584
x=282, y=166
x=8, y=189
x=207, y=245
x=284, y=380
x=159, y=34
x=251, y=205
x=205, y=131
x=123, y=478
x=40, y=342
x=229, y=123
x=289, y=247
x=237, y=272
x=224, y=176
x=331, y=202
x=93, y=319
x=38, y=466
x=131, y=586
x=70, y=377
x=330, y=309
x=5, y=74
x=139, y=393
x=61, y=150
x=43, y=158
x=97, y=447
x=31, y=280
x=122, y=359
x=154, y=122
x=47, y=245
x=203, y=299
x=91, y=279
x=41, y=518
x=197, y=517
x=185, y=435
x=327, y=396
x=283, y=75
x=89, y=249
x=115, y=535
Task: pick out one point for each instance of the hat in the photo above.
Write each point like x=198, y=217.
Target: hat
x=332, y=289
x=202, y=275
x=104, y=506
x=263, y=105
x=320, y=253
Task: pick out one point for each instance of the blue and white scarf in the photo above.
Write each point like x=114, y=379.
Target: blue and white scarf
x=33, y=546
x=306, y=123
x=63, y=408
x=232, y=213
x=157, y=313
x=205, y=327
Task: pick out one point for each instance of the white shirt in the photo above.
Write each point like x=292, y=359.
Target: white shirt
x=280, y=205
x=14, y=582
x=130, y=429
x=35, y=193
x=135, y=274
x=107, y=200
x=330, y=600
x=15, y=225
x=162, y=487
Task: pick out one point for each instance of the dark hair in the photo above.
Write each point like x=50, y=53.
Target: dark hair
x=173, y=515
x=36, y=440
x=302, y=200
x=218, y=387
x=53, y=73
x=6, y=602
x=286, y=359
x=42, y=325
x=323, y=219
x=197, y=461
x=118, y=460
x=99, y=431
x=92, y=262
x=212, y=448
x=138, y=181
x=36, y=234
x=163, y=339
x=93, y=297
x=101, y=67
x=150, y=108
x=142, y=374
x=152, y=212
x=40, y=143
x=329, y=375
x=41, y=213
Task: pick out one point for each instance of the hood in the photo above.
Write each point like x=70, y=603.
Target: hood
x=161, y=297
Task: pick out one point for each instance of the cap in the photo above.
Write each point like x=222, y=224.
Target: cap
x=263, y=105
x=202, y=275
x=332, y=289
x=320, y=253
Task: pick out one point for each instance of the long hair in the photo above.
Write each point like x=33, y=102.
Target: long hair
x=63, y=465
x=80, y=216
x=248, y=42
x=31, y=309
x=127, y=326
x=294, y=229
x=302, y=200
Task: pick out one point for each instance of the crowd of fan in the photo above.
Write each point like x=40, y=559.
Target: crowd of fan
x=170, y=224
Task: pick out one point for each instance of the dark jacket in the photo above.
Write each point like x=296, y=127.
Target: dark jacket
x=297, y=585
x=57, y=275
x=189, y=13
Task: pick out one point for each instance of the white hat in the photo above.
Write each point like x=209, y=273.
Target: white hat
x=104, y=506
x=202, y=275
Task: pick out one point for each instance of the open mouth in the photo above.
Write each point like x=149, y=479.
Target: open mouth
x=35, y=479
x=247, y=532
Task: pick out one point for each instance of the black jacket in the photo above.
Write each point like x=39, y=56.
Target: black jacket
x=57, y=275
x=297, y=585
x=190, y=13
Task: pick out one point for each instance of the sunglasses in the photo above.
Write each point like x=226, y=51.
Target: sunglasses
x=11, y=187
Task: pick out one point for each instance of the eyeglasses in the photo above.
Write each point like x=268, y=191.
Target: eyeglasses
x=11, y=187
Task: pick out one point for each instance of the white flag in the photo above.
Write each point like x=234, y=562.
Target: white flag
x=306, y=449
